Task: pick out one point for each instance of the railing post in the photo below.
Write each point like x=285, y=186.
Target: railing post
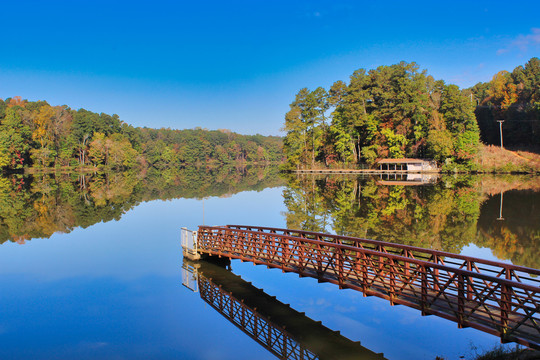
x=505, y=309
x=283, y=346
x=364, y=275
x=407, y=266
x=286, y=251
x=461, y=301
x=340, y=266
x=424, y=290
x=392, y=274
x=357, y=267
x=508, y=273
x=379, y=249
x=301, y=255
x=436, y=274
x=470, y=281
x=319, y=260
x=220, y=299
x=268, y=335
x=227, y=238
x=243, y=314
x=260, y=247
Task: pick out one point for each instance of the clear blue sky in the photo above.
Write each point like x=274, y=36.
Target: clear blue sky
x=238, y=64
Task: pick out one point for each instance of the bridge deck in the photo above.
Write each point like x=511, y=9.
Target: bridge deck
x=497, y=298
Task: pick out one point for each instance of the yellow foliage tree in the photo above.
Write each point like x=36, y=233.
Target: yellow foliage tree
x=43, y=122
x=502, y=90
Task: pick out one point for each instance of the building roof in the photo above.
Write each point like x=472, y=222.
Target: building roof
x=401, y=161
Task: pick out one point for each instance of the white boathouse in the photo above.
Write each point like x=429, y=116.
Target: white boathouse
x=409, y=165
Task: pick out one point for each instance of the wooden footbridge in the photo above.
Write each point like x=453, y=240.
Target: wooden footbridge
x=497, y=298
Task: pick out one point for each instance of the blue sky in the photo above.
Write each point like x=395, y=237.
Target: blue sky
x=238, y=64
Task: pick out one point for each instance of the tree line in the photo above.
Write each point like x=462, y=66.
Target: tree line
x=399, y=111
x=34, y=133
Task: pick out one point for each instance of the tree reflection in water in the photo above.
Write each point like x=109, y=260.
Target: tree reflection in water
x=448, y=215
x=38, y=206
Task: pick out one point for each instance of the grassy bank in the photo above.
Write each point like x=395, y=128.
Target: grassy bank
x=490, y=159
x=493, y=159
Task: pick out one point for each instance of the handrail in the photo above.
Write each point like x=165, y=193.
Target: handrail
x=438, y=266
x=437, y=253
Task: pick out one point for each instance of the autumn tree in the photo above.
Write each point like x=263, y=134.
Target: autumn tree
x=515, y=98
x=390, y=112
x=43, y=135
x=304, y=124
x=14, y=139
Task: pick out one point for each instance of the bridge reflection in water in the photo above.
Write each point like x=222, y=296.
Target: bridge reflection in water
x=497, y=298
x=285, y=332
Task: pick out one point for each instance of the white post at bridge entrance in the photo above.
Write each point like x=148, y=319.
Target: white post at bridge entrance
x=189, y=244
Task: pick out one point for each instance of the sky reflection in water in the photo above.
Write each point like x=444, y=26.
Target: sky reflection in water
x=114, y=290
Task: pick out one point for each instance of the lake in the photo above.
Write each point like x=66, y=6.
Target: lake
x=91, y=266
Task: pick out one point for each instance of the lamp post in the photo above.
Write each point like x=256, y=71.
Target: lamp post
x=500, y=129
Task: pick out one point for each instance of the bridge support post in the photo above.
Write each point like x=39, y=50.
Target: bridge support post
x=340, y=267
x=470, y=282
x=424, y=283
x=392, y=275
x=365, y=285
x=461, y=301
x=505, y=310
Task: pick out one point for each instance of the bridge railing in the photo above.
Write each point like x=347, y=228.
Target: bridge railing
x=493, y=268
x=507, y=308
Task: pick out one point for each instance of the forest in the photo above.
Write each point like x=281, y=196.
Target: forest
x=36, y=134
x=399, y=111
x=513, y=97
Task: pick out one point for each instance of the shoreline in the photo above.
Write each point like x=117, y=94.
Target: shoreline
x=405, y=172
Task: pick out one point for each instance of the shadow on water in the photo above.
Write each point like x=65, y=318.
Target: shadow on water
x=285, y=332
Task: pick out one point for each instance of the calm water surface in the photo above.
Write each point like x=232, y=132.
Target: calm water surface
x=92, y=267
